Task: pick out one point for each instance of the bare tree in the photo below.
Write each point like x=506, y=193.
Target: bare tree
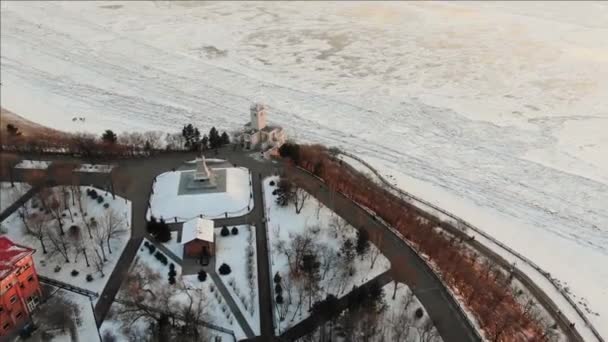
x=112, y=225
x=144, y=300
x=35, y=225
x=60, y=243
x=153, y=139
x=59, y=313
x=299, y=198
x=100, y=236
x=7, y=163
x=427, y=331
x=328, y=258
x=193, y=312
x=98, y=262
x=75, y=235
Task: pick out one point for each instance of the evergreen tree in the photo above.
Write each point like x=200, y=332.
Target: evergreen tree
x=214, y=138
x=152, y=226
x=205, y=142
x=192, y=136
x=225, y=139
x=109, y=137
x=164, y=233
x=362, y=241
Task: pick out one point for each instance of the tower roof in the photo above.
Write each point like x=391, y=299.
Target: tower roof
x=10, y=254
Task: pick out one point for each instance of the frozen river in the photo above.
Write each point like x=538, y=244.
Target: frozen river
x=497, y=112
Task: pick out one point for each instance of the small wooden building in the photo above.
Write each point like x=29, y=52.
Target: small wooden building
x=198, y=238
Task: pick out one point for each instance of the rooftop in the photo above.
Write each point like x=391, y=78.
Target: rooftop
x=197, y=229
x=271, y=128
x=10, y=254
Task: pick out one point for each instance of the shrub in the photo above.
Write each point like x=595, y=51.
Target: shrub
x=202, y=275
x=106, y=205
x=74, y=273
x=419, y=313
x=235, y=230
x=89, y=278
x=99, y=199
x=151, y=248
x=271, y=183
x=172, y=280
x=172, y=273
x=225, y=269
x=171, y=266
x=57, y=269
x=279, y=299
x=93, y=194
x=225, y=231
x=146, y=243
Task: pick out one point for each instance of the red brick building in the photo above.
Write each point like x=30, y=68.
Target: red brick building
x=19, y=287
x=197, y=238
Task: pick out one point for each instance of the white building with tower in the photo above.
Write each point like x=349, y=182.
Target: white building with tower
x=257, y=135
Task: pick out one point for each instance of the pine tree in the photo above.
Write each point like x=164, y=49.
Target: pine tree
x=205, y=142
x=225, y=139
x=362, y=241
x=192, y=136
x=214, y=138
x=109, y=137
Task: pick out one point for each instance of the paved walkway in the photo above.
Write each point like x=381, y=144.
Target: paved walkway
x=18, y=203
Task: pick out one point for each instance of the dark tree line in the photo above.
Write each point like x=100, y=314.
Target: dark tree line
x=194, y=142
x=159, y=229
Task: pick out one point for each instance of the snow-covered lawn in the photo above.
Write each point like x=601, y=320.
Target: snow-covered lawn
x=78, y=242
x=165, y=202
x=399, y=317
x=9, y=194
x=216, y=310
x=86, y=327
x=239, y=252
x=176, y=247
x=328, y=232
x=33, y=164
x=99, y=168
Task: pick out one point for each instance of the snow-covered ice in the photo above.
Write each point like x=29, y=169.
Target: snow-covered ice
x=167, y=203
x=494, y=111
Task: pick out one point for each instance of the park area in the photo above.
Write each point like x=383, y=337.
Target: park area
x=78, y=232
x=314, y=253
